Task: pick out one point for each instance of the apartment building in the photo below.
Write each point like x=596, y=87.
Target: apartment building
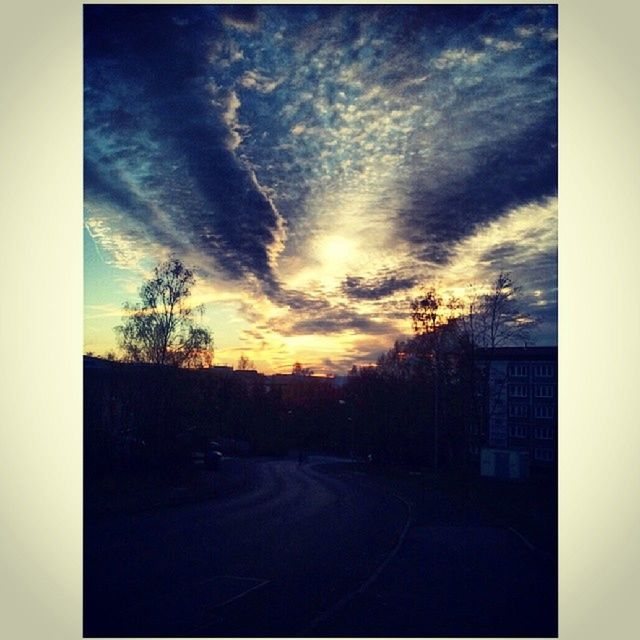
x=522, y=402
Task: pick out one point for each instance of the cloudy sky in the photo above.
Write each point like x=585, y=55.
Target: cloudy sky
x=319, y=165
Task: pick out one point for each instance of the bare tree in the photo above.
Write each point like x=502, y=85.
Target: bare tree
x=493, y=320
x=244, y=364
x=498, y=318
x=161, y=329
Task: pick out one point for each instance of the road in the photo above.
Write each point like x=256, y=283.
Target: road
x=313, y=550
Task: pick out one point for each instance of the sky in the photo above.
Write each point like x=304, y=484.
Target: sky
x=319, y=166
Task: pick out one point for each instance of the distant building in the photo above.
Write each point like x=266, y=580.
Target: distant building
x=93, y=363
x=297, y=387
x=221, y=370
x=250, y=378
x=522, y=402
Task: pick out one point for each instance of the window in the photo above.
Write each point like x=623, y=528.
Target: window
x=517, y=370
x=518, y=431
x=518, y=390
x=544, y=391
x=543, y=411
x=543, y=370
x=518, y=410
x=543, y=433
x=544, y=455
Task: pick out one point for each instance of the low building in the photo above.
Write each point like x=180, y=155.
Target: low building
x=293, y=387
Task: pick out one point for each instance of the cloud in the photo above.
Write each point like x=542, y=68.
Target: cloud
x=373, y=289
x=324, y=160
x=242, y=17
x=255, y=80
x=158, y=148
x=338, y=320
x=453, y=57
x=315, y=314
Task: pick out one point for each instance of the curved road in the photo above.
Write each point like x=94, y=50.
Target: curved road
x=315, y=550
x=267, y=562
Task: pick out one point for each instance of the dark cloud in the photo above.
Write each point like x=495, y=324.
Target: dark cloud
x=300, y=301
x=240, y=16
x=373, y=289
x=153, y=135
x=499, y=176
x=315, y=314
x=339, y=320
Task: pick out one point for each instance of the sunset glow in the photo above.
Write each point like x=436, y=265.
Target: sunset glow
x=319, y=166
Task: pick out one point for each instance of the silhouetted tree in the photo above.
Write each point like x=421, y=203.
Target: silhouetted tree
x=161, y=329
x=424, y=312
x=498, y=319
x=433, y=323
x=299, y=370
x=492, y=320
x=244, y=364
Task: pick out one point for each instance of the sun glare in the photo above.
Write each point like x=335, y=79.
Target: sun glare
x=336, y=250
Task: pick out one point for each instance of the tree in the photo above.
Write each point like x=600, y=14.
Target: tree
x=161, y=329
x=244, y=364
x=493, y=320
x=424, y=312
x=499, y=320
x=428, y=326
x=299, y=370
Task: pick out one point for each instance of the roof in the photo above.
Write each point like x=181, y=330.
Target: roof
x=93, y=362
x=518, y=353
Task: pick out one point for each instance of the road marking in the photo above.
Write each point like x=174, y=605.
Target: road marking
x=526, y=542
x=370, y=580
x=260, y=583
x=531, y=547
x=213, y=610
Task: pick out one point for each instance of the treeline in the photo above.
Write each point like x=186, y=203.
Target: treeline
x=419, y=405
x=140, y=417
x=423, y=403
x=153, y=416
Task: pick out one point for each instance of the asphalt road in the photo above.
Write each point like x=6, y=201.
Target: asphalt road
x=314, y=550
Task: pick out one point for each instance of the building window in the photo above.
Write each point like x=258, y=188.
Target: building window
x=543, y=370
x=544, y=455
x=518, y=431
x=543, y=433
x=517, y=370
x=543, y=411
x=544, y=391
x=518, y=390
x=518, y=410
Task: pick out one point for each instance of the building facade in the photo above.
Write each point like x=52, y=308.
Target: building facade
x=522, y=401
